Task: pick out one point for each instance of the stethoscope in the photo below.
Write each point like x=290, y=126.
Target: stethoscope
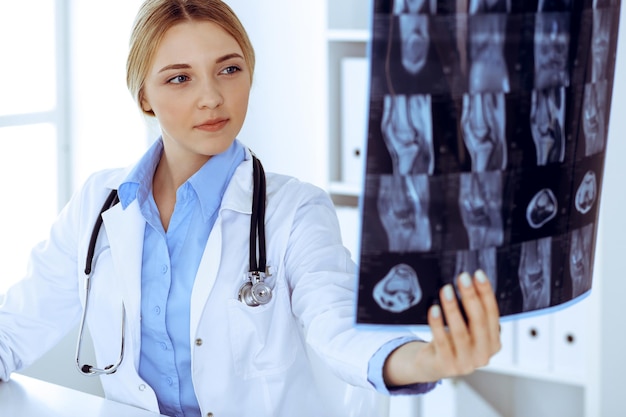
x=254, y=291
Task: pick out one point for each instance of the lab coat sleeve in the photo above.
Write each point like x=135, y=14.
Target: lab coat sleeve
x=44, y=306
x=323, y=280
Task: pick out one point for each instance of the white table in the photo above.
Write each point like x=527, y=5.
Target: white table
x=23, y=396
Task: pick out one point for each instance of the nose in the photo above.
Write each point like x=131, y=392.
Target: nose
x=210, y=95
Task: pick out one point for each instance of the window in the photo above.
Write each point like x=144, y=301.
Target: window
x=31, y=129
x=64, y=112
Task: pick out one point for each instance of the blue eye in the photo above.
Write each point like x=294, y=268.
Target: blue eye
x=179, y=79
x=231, y=70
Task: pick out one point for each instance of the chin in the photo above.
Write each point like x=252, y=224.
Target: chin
x=214, y=145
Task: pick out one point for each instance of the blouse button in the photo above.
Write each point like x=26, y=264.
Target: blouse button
x=142, y=387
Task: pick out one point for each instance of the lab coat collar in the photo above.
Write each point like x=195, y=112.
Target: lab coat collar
x=238, y=194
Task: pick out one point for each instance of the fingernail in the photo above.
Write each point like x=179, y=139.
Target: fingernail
x=480, y=276
x=466, y=280
x=448, y=292
x=435, y=312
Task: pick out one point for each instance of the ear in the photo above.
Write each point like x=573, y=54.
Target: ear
x=145, y=105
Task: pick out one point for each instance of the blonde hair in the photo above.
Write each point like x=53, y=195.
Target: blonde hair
x=155, y=17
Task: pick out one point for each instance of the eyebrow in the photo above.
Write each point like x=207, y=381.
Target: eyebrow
x=187, y=66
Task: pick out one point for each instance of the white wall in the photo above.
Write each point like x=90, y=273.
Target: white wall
x=107, y=127
x=612, y=288
x=283, y=125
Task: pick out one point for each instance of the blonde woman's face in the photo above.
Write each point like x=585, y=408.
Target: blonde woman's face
x=198, y=88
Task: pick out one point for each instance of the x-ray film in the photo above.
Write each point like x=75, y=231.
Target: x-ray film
x=487, y=132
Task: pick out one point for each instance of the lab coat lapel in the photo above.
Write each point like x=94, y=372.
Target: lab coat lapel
x=125, y=232
x=206, y=275
x=238, y=198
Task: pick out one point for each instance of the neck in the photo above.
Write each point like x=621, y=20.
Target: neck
x=168, y=177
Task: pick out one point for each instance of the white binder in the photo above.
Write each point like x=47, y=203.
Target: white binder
x=506, y=356
x=569, y=339
x=354, y=116
x=534, y=342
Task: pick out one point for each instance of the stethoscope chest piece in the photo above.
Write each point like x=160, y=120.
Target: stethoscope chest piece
x=255, y=292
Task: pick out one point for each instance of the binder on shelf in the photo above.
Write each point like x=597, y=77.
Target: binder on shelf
x=569, y=340
x=506, y=356
x=354, y=113
x=534, y=337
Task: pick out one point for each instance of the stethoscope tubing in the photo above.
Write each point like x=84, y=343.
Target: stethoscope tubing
x=257, y=228
x=90, y=262
x=257, y=292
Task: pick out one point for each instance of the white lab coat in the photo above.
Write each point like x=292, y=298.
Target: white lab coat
x=246, y=361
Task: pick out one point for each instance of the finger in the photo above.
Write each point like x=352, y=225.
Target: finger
x=445, y=361
x=486, y=294
x=459, y=334
x=438, y=329
x=480, y=335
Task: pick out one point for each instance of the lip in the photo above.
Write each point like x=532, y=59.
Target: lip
x=212, y=125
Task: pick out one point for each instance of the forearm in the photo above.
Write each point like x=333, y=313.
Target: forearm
x=405, y=366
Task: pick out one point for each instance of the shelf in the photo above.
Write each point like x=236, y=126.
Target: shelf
x=348, y=35
x=341, y=188
x=516, y=371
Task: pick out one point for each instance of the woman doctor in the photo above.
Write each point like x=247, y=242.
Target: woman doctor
x=171, y=257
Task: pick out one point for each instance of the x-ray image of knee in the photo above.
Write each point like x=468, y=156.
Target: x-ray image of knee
x=598, y=4
x=403, y=209
x=586, y=193
x=480, y=204
x=414, y=41
x=399, y=290
x=547, y=121
x=551, y=50
x=489, y=6
x=542, y=208
x=408, y=134
x=472, y=260
x=483, y=129
x=600, y=43
x=594, y=117
x=553, y=5
x=488, y=70
x=580, y=259
x=414, y=6
x=535, y=272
